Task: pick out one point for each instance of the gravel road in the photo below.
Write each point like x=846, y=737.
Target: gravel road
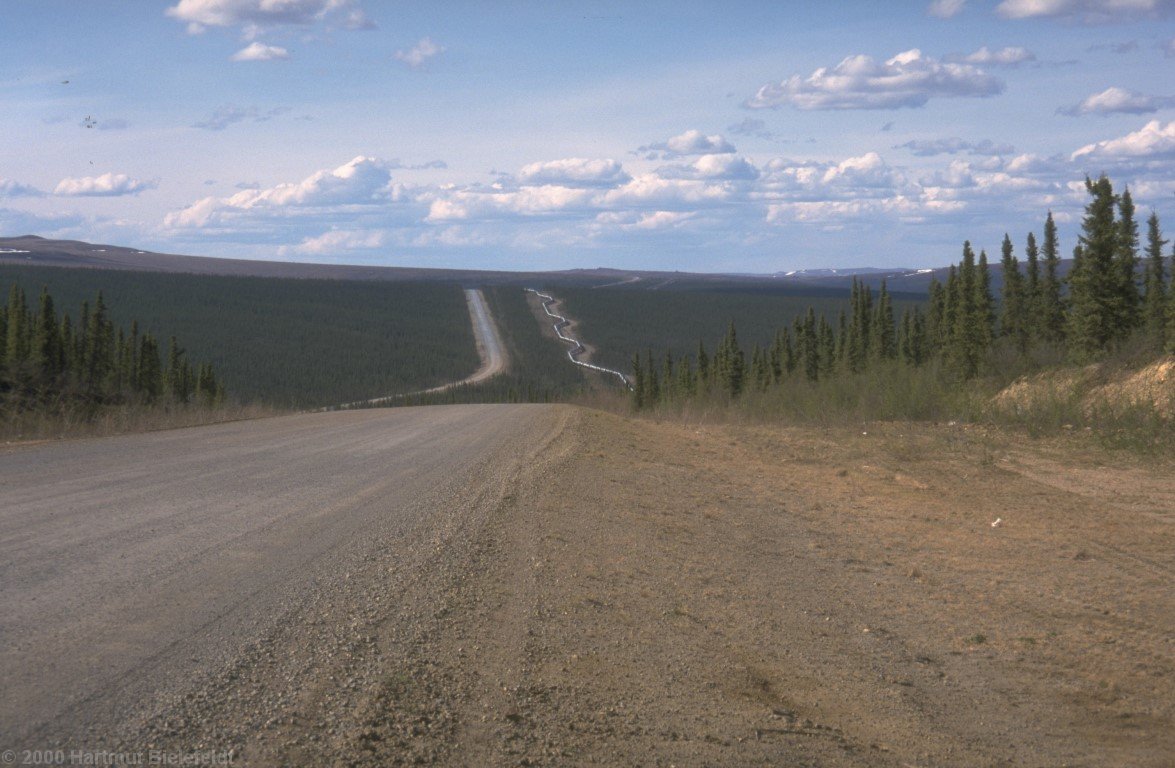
x=490, y=350
x=138, y=571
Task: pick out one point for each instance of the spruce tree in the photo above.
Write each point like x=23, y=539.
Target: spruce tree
x=703, y=386
x=967, y=337
x=984, y=302
x=809, y=346
x=918, y=342
x=1032, y=288
x=1095, y=282
x=734, y=363
x=686, y=384
x=16, y=349
x=1126, y=258
x=884, y=345
x=1013, y=323
x=638, y=382
x=652, y=385
x=826, y=342
x=1052, y=306
x=46, y=352
x=667, y=380
x=777, y=358
x=936, y=314
x=1155, y=298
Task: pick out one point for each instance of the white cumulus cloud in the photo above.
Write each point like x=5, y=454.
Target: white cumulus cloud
x=418, y=55
x=1153, y=140
x=106, y=185
x=258, y=51
x=713, y=167
x=909, y=79
x=1118, y=101
x=364, y=181
x=692, y=142
x=574, y=171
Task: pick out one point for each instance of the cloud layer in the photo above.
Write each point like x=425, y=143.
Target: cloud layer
x=909, y=79
x=418, y=55
x=106, y=185
x=199, y=14
x=1118, y=101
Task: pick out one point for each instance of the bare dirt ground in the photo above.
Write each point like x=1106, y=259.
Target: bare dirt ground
x=624, y=592
x=667, y=595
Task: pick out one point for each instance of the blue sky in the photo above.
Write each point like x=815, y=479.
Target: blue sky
x=735, y=136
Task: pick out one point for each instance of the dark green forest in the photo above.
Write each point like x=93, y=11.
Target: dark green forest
x=58, y=362
x=286, y=342
x=621, y=322
x=539, y=369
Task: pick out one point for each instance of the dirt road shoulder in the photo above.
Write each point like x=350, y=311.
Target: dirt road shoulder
x=663, y=594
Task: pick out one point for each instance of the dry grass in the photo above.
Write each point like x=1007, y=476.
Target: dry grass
x=32, y=426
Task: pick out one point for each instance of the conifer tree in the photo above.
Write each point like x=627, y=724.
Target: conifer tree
x=826, y=343
x=809, y=347
x=1032, y=288
x=952, y=297
x=1126, y=258
x=638, y=382
x=777, y=357
x=16, y=351
x=734, y=363
x=667, y=380
x=985, y=302
x=918, y=342
x=46, y=351
x=1095, y=281
x=686, y=384
x=1014, y=323
x=861, y=300
x=1171, y=311
x=969, y=337
x=884, y=345
x=842, y=337
x=652, y=385
x=760, y=368
x=703, y=369
x=936, y=314
x=1155, y=298
x=1052, y=307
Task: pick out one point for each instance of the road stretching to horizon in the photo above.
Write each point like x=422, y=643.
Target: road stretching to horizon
x=490, y=350
x=133, y=567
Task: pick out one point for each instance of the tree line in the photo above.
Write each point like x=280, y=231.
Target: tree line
x=48, y=360
x=1112, y=294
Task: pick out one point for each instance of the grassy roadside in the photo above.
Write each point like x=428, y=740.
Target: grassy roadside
x=33, y=426
x=1123, y=403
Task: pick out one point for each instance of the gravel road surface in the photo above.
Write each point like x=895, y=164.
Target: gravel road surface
x=137, y=571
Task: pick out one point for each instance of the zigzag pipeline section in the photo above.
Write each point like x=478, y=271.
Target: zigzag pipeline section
x=576, y=347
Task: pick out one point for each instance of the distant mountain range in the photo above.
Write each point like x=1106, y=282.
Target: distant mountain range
x=31, y=249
